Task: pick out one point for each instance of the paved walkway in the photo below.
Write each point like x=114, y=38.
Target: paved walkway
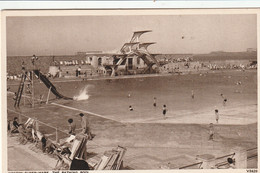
x=27, y=157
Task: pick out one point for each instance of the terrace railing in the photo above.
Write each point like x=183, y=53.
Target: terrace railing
x=242, y=157
x=53, y=133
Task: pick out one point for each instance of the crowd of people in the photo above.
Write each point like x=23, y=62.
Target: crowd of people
x=174, y=60
x=213, y=66
x=171, y=65
x=14, y=77
x=74, y=62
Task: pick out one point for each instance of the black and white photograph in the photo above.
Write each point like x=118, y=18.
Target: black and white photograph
x=131, y=90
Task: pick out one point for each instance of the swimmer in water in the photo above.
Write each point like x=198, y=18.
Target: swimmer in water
x=224, y=102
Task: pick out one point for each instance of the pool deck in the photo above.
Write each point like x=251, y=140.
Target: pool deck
x=151, y=144
x=151, y=141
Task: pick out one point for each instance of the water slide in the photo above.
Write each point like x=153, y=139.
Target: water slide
x=48, y=84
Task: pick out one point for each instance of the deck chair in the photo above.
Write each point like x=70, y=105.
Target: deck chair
x=79, y=148
x=112, y=160
x=64, y=144
x=70, y=139
x=63, y=162
x=25, y=134
x=38, y=139
x=78, y=152
x=34, y=135
x=22, y=135
x=29, y=122
x=34, y=140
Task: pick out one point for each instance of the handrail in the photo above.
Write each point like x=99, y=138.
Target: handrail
x=225, y=156
x=194, y=164
x=39, y=121
x=251, y=149
x=51, y=126
x=221, y=157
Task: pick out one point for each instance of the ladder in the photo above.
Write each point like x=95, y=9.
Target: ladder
x=20, y=91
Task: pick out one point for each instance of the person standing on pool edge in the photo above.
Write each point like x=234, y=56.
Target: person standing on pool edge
x=154, y=101
x=211, y=131
x=192, y=94
x=217, y=115
x=164, y=111
x=72, y=127
x=85, y=126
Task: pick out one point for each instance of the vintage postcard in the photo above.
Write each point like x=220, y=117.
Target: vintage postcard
x=161, y=90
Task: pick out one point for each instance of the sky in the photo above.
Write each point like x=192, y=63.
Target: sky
x=66, y=35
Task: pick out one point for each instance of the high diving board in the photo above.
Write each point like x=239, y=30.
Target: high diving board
x=137, y=35
x=145, y=45
x=127, y=47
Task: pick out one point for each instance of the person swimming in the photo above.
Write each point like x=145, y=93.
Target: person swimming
x=131, y=108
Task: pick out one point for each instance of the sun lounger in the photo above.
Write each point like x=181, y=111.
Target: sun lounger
x=78, y=152
x=29, y=122
x=79, y=148
x=111, y=160
x=25, y=134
